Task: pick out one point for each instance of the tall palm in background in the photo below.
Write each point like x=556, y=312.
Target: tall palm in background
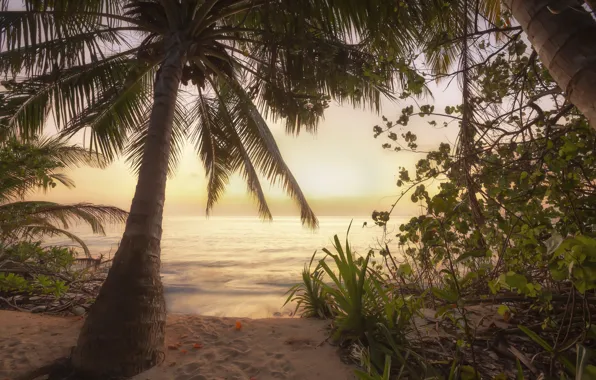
x=562, y=33
x=39, y=165
x=141, y=75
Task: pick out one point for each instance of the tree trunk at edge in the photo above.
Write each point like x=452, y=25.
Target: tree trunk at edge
x=124, y=332
x=566, y=44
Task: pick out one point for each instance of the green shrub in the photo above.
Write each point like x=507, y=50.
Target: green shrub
x=29, y=268
x=356, y=303
x=365, y=306
x=309, y=295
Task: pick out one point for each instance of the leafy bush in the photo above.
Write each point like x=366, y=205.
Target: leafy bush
x=367, y=310
x=504, y=251
x=29, y=268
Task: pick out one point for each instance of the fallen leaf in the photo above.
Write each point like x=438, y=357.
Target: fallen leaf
x=196, y=346
x=183, y=352
x=238, y=325
x=507, y=316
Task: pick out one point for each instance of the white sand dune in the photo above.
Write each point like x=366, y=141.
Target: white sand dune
x=199, y=348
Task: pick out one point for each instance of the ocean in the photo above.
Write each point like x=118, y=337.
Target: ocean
x=237, y=266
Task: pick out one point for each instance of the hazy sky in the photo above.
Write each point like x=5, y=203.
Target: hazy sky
x=342, y=169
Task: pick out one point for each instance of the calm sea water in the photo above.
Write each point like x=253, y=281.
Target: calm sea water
x=237, y=266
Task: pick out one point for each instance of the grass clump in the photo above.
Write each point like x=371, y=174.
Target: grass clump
x=369, y=318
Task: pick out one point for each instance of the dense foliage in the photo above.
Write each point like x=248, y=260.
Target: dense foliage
x=504, y=252
x=30, y=270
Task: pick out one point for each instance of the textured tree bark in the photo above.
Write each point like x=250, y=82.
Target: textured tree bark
x=566, y=44
x=124, y=332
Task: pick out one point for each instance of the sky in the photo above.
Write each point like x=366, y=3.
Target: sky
x=342, y=169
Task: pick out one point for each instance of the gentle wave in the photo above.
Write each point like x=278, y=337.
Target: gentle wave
x=236, y=266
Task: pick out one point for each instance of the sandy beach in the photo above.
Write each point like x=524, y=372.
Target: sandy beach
x=198, y=348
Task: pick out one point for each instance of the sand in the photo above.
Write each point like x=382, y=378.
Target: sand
x=198, y=348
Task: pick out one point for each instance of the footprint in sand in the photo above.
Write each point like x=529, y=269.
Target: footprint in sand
x=278, y=375
x=191, y=368
x=231, y=353
x=298, y=343
x=210, y=356
x=190, y=372
x=246, y=367
x=191, y=377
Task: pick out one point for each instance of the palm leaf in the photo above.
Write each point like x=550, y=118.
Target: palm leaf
x=136, y=144
x=91, y=65
x=39, y=231
x=38, y=163
x=242, y=160
x=212, y=146
x=265, y=154
x=36, y=219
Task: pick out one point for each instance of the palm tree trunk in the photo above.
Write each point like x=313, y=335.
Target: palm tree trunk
x=124, y=332
x=565, y=42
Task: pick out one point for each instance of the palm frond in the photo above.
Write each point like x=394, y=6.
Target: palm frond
x=241, y=159
x=265, y=154
x=68, y=155
x=38, y=164
x=65, y=215
x=65, y=95
x=212, y=146
x=39, y=231
x=27, y=52
x=136, y=145
x=29, y=219
x=116, y=112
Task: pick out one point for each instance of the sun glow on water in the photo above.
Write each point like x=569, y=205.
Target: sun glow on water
x=237, y=266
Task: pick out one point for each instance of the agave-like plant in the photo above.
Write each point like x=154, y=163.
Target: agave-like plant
x=309, y=295
x=39, y=164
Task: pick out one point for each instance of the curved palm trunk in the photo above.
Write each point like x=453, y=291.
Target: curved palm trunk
x=566, y=45
x=124, y=332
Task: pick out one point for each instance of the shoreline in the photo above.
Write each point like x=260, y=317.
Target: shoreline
x=197, y=347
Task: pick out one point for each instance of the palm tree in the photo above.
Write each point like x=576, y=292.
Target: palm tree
x=38, y=165
x=562, y=33
x=142, y=75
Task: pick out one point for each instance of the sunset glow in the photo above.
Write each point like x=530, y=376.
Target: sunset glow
x=342, y=169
